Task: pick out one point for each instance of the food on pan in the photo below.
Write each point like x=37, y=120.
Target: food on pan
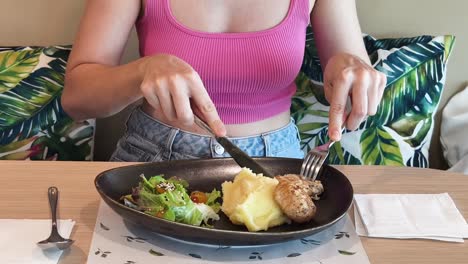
x=253, y=200
x=260, y=202
x=169, y=199
x=294, y=195
x=248, y=200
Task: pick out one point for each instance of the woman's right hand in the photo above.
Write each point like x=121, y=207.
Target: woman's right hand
x=174, y=88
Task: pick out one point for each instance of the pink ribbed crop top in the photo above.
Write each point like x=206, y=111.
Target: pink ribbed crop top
x=248, y=75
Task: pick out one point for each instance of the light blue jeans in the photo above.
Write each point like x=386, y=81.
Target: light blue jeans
x=148, y=140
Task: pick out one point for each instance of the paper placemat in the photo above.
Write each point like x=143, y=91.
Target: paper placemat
x=116, y=241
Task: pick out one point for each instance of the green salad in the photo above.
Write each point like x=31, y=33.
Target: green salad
x=169, y=199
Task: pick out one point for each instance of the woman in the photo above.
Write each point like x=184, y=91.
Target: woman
x=231, y=62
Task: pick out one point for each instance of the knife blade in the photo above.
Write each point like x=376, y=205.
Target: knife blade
x=239, y=156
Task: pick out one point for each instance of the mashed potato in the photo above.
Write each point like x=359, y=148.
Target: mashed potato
x=249, y=201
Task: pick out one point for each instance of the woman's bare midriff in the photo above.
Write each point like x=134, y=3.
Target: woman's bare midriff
x=233, y=130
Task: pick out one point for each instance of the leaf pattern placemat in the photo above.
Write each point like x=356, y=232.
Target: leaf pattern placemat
x=116, y=241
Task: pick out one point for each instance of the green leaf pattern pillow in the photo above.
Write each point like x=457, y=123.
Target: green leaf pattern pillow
x=33, y=124
x=400, y=133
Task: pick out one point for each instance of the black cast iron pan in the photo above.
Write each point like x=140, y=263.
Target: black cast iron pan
x=207, y=174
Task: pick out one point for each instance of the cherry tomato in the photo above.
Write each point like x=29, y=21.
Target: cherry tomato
x=198, y=197
x=160, y=214
x=160, y=190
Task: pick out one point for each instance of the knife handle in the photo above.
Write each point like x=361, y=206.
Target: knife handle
x=204, y=125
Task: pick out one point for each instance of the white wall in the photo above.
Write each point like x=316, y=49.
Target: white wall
x=49, y=22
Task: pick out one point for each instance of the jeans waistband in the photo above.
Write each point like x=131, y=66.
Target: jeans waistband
x=177, y=140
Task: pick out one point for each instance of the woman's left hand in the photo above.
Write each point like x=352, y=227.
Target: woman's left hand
x=348, y=75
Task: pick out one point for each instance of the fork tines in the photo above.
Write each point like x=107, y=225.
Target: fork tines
x=312, y=164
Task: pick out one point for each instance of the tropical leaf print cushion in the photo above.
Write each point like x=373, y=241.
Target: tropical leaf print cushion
x=33, y=124
x=400, y=133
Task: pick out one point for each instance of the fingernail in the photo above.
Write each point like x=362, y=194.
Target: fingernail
x=335, y=135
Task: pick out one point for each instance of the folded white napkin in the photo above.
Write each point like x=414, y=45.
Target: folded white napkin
x=19, y=237
x=405, y=216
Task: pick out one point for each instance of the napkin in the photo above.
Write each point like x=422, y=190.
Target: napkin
x=18, y=238
x=405, y=216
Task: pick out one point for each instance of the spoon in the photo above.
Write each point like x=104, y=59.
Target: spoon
x=54, y=240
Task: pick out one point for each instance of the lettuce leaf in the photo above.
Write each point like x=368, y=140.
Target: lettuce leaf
x=173, y=203
x=211, y=200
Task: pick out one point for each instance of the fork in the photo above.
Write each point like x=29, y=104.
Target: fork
x=314, y=160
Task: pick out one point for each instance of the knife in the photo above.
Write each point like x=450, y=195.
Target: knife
x=239, y=156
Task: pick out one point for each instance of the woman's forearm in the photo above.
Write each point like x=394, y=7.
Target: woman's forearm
x=337, y=30
x=95, y=90
x=347, y=73
x=96, y=85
